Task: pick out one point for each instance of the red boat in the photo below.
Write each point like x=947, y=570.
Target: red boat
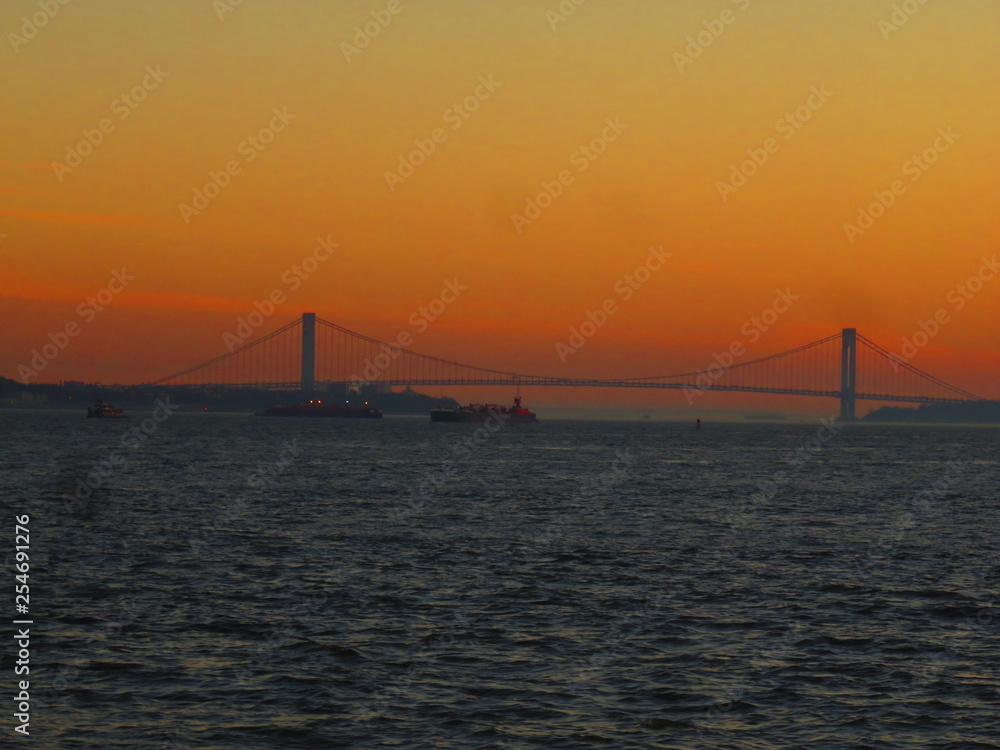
x=316, y=408
x=516, y=414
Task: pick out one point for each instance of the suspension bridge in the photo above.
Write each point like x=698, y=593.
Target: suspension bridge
x=310, y=351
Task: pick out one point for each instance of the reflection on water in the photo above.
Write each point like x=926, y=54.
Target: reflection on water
x=243, y=583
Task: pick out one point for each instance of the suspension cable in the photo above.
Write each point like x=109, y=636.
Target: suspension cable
x=222, y=357
x=907, y=366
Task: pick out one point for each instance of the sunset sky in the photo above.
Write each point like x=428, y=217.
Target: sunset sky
x=838, y=102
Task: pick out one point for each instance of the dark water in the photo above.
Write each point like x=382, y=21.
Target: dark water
x=237, y=582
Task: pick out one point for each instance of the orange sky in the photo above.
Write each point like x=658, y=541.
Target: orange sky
x=686, y=112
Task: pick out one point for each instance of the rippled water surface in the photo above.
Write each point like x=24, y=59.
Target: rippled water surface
x=238, y=582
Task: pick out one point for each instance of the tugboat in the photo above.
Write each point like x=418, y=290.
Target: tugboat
x=104, y=410
x=315, y=407
x=515, y=414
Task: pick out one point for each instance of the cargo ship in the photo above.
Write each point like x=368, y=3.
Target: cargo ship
x=104, y=410
x=516, y=414
x=316, y=408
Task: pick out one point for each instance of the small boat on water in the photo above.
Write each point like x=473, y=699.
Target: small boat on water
x=316, y=408
x=516, y=414
x=104, y=409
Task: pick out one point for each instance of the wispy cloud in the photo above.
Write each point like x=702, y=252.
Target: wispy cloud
x=699, y=267
x=113, y=220
x=25, y=287
x=27, y=165
x=12, y=190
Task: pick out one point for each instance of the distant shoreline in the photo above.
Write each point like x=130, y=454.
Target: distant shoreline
x=986, y=412
x=707, y=424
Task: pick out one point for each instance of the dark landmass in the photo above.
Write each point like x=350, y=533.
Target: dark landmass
x=73, y=395
x=973, y=412
x=408, y=401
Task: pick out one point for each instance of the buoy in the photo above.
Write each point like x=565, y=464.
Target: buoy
x=697, y=424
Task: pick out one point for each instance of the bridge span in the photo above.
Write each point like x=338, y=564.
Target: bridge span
x=310, y=351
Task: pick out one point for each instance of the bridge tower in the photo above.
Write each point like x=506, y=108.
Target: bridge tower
x=848, y=373
x=308, y=383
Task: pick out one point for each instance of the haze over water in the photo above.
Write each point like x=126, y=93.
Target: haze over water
x=238, y=582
